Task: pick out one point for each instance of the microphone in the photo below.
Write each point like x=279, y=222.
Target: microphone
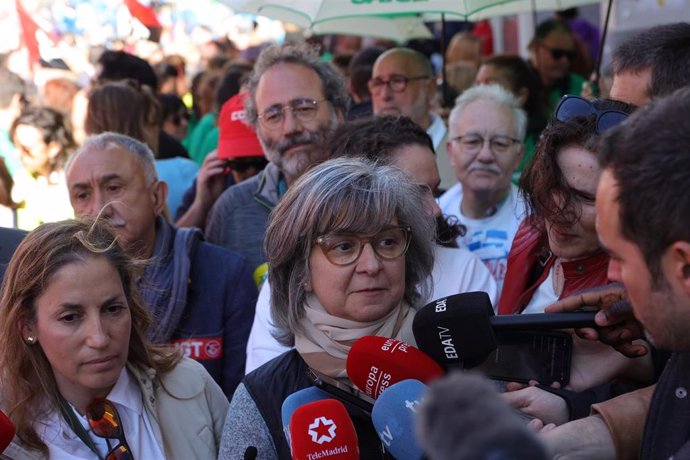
x=462, y=416
x=323, y=429
x=375, y=363
x=295, y=400
x=250, y=453
x=7, y=431
x=394, y=418
x=461, y=328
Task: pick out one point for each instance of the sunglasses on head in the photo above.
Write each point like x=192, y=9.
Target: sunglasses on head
x=576, y=106
x=105, y=423
x=559, y=53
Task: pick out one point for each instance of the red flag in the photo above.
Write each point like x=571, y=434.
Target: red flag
x=144, y=14
x=29, y=28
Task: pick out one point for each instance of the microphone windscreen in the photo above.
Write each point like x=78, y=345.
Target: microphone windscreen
x=6, y=431
x=394, y=416
x=323, y=429
x=456, y=329
x=375, y=363
x=462, y=416
x=297, y=399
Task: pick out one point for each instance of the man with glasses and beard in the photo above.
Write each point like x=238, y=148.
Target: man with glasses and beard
x=294, y=103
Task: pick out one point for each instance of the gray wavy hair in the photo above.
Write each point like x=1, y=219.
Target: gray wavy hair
x=347, y=195
x=333, y=83
x=497, y=94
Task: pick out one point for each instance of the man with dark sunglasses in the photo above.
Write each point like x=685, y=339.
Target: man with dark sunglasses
x=403, y=83
x=551, y=54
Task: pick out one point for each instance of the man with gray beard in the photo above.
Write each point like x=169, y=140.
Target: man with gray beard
x=294, y=103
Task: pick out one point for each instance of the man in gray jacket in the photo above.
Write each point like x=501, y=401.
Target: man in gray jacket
x=295, y=102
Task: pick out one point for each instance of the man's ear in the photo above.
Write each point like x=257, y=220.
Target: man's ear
x=159, y=191
x=679, y=255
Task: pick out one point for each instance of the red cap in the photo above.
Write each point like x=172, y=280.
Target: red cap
x=236, y=139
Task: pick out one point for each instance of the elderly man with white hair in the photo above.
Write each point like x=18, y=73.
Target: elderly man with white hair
x=486, y=128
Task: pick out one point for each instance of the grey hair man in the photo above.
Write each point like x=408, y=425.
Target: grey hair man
x=486, y=128
x=403, y=83
x=295, y=102
x=201, y=296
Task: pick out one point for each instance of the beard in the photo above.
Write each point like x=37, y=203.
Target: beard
x=295, y=163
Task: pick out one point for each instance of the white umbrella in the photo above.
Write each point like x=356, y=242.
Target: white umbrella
x=308, y=13
x=396, y=28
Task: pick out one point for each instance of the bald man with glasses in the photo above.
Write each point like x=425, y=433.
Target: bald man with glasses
x=403, y=83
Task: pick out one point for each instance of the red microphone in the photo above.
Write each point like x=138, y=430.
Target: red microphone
x=6, y=431
x=375, y=363
x=323, y=429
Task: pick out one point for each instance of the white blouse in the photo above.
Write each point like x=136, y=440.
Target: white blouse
x=63, y=443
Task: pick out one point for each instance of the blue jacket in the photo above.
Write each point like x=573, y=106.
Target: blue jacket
x=215, y=325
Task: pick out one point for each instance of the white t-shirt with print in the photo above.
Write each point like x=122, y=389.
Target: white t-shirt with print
x=489, y=238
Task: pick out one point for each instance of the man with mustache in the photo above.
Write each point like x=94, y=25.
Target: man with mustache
x=201, y=296
x=294, y=103
x=486, y=128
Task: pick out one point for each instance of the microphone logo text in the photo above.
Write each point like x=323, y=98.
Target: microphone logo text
x=447, y=342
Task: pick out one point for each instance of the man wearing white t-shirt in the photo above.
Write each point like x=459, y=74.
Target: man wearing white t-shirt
x=485, y=131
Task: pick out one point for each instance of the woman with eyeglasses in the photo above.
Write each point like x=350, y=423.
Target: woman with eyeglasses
x=77, y=376
x=350, y=251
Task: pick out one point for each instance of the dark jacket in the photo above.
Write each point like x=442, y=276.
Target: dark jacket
x=667, y=429
x=529, y=263
x=271, y=383
x=215, y=325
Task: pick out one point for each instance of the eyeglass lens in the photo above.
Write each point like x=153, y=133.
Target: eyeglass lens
x=575, y=106
x=558, y=53
x=344, y=249
x=303, y=109
x=105, y=423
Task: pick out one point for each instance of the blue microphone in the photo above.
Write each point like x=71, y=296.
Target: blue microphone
x=297, y=399
x=394, y=418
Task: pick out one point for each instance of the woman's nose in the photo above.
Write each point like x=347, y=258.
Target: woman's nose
x=368, y=261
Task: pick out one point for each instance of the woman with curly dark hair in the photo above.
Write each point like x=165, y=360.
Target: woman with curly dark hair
x=556, y=251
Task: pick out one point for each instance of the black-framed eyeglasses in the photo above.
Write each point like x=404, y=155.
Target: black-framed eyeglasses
x=559, y=53
x=105, y=423
x=576, y=106
x=303, y=109
x=346, y=248
x=397, y=83
x=473, y=143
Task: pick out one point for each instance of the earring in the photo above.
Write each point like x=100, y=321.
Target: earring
x=31, y=340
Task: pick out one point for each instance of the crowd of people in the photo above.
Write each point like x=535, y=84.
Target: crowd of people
x=179, y=259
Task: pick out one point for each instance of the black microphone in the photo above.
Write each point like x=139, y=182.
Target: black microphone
x=250, y=453
x=462, y=416
x=461, y=329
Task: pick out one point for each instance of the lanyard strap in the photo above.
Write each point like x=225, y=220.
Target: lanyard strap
x=76, y=426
